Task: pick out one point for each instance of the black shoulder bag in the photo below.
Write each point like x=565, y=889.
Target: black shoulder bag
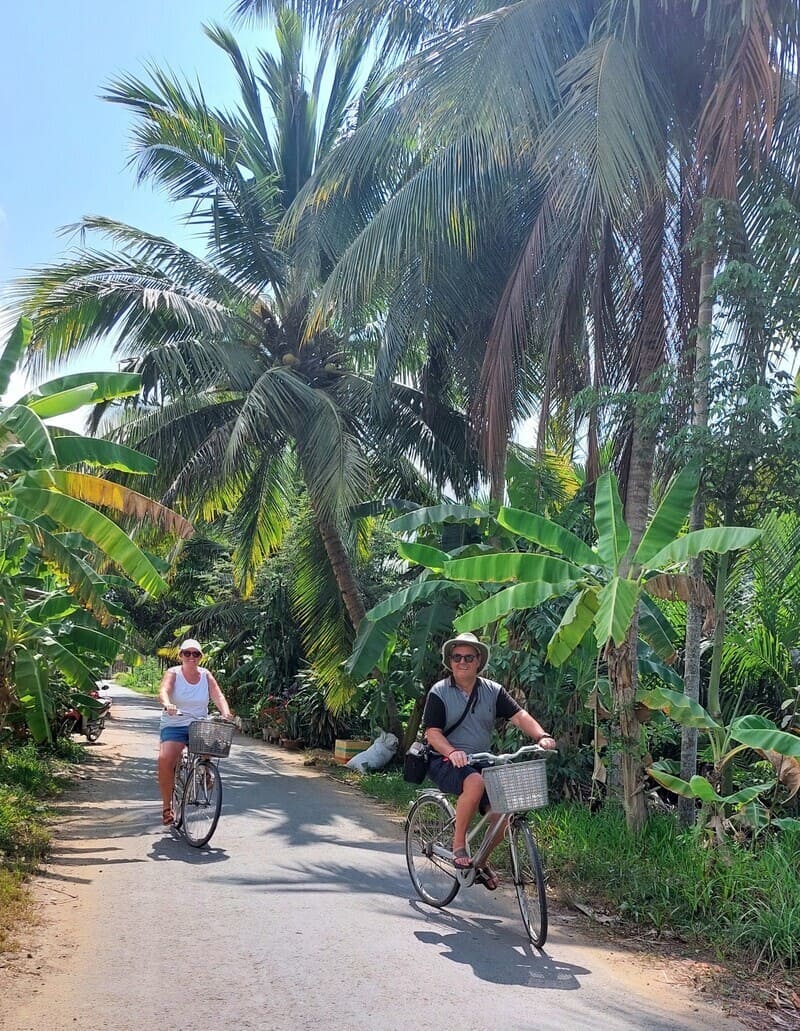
x=417, y=758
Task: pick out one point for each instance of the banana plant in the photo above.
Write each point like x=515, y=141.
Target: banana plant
x=756, y=733
x=51, y=519
x=613, y=587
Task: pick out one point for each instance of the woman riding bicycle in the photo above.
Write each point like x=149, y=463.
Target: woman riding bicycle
x=466, y=706
x=184, y=693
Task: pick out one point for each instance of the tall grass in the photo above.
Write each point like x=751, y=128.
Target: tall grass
x=744, y=901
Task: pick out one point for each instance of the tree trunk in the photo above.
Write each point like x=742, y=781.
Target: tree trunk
x=623, y=674
x=342, y=570
x=694, y=613
x=646, y=361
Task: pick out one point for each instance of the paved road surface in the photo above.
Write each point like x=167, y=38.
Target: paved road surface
x=298, y=915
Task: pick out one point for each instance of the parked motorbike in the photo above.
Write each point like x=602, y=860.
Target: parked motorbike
x=85, y=715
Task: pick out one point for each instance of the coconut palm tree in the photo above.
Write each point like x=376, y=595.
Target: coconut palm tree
x=599, y=128
x=238, y=398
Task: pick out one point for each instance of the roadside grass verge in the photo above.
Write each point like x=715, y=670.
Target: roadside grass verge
x=741, y=902
x=29, y=780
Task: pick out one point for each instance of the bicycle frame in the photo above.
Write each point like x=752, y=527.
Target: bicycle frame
x=489, y=826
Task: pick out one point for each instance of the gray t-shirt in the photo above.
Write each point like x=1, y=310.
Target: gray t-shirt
x=445, y=704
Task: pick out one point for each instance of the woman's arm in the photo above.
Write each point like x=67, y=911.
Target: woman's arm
x=165, y=692
x=217, y=697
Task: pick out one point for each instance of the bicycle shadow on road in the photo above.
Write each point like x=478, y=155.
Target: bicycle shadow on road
x=172, y=846
x=482, y=944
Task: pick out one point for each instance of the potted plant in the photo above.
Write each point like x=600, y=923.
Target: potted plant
x=291, y=738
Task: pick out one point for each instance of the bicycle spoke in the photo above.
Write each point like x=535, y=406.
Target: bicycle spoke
x=429, y=826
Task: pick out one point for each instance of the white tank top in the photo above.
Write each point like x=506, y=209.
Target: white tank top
x=191, y=699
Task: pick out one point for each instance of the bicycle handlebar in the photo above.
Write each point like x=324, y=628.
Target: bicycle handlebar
x=216, y=716
x=506, y=757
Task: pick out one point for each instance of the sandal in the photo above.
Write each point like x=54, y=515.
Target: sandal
x=461, y=859
x=487, y=877
x=167, y=815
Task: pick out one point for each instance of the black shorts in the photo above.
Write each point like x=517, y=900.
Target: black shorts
x=450, y=779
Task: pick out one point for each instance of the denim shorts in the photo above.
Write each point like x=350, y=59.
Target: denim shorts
x=450, y=779
x=175, y=734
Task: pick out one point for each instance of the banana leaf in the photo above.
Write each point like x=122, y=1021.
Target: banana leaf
x=670, y=515
x=617, y=602
x=758, y=732
x=514, y=565
x=574, y=625
x=436, y=514
x=678, y=707
x=510, y=599
x=613, y=536
x=548, y=534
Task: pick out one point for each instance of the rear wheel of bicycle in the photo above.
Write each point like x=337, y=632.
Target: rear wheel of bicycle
x=202, y=801
x=429, y=830
x=526, y=869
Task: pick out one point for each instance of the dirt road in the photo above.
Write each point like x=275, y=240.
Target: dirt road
x=298, y=915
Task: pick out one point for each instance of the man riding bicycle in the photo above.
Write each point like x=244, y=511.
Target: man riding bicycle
x=460, y=713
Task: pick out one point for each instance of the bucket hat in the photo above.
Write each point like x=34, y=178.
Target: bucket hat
x=473, y=642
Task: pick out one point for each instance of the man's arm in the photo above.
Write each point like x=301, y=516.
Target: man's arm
x=528, y=725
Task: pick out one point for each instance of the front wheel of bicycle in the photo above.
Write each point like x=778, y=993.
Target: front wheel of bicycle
x=526, y=869
x=429, y=834
x=178, y=789
x=202, y=802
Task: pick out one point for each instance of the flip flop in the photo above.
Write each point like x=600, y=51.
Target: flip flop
x=167, y=815
x=488, y=878
x=461, y=859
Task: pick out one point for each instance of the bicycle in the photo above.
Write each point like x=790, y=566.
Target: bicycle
x=197, y=788
x=512, y=791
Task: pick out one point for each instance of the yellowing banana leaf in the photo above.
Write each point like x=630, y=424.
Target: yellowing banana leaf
x=617, y=601
x=96, y=491
x=574, y=625
x=613, y=536
x=548, y=534
x=514, y=565
x=72, y=449
x=112, y=541
x=512, y=599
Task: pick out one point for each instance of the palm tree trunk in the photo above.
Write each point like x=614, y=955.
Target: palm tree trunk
x=342, y=569
x=694, y=613
x=648, y=358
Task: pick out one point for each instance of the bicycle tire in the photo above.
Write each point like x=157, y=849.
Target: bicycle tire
x=202, y=802
x=178, y=790
x=429, y=824
x=526, y=869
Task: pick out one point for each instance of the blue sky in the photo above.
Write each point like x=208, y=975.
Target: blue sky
x=64, y=150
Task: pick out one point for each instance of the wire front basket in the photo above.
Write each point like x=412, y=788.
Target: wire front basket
x=515, y=787
x=210, y=737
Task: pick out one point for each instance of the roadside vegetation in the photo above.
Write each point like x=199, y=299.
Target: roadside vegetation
x=30, y=780
x=738, y=903
x=517, y=359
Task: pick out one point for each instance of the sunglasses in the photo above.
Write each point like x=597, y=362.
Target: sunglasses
x=192, y=655
x=458, y=657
